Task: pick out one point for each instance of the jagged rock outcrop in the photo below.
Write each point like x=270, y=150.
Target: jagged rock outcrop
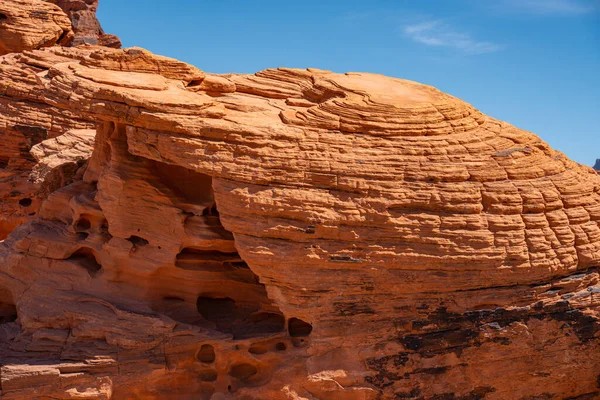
x=86, y=26
x=597, y=165
x=34, y=24
x=297, y=234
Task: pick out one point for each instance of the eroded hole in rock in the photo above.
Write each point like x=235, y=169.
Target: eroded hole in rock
x=3, y=17
x=221, y=311
x=267, y=322
x=26, y=202
x=137, y=241
x=258, y=349
x=85, y=258
x=195, y=83
x=229, y=297
x=189, y=186
x=62, y=37
x=280, y=346
x=104, y=226
x=206, y=354
x=8, y=309
x=196, y=259
x=299, y=342
x=240, y=320
x=83, y=224
x=299, y=328
x=211, y=211
x=243, y=371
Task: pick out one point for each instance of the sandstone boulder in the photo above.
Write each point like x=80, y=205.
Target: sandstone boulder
x=32, y=24
x=298, y=234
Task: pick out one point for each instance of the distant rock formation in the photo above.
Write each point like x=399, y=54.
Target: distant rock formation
x=292, y=234
x=597, y=165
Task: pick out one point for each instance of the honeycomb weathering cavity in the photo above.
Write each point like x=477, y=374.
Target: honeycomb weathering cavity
x=292, y=234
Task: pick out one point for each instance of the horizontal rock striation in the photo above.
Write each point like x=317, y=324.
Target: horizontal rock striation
x=27, y=122
x=32, y=24
x=25, y=119
x=295, y=234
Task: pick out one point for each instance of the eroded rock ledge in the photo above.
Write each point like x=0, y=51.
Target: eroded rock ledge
x=297, y=234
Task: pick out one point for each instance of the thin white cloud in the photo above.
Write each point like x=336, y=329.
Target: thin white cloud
x=547, y=7
x=439, y=34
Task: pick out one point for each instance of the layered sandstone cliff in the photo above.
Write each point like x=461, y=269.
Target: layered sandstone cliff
x=25, y=119
x=292, y=234
x=33, y=24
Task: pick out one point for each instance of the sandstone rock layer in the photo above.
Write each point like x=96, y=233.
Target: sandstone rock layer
x=293, y=234
x=32, y=24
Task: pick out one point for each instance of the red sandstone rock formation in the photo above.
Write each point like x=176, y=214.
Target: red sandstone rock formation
x=25, y=119
x=293, y=234
x=86, y=27
x=32, y=24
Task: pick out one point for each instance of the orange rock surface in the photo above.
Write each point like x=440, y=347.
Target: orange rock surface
x=292, y=234
x=32, y=24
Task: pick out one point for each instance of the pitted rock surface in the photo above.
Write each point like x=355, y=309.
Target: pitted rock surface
x=292, y=234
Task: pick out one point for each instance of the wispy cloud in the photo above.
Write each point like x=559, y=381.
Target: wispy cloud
x=439, y=34
x=547, y=7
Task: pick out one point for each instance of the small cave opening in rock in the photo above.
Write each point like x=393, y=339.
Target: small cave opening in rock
x=26, y=202
x=206, y=354
x=211, y=211
x=85, y=258
x=195, y=83
x=299, y=328
x=198, y=259
x=221, y=292
x=241, y=320
x=243, y=371
x=137, y=241
x=219, y=310
x=280, y=346
x=8, y=309
x=82, y=224
x=3, y=17
x=190, y=187
x=104, y=226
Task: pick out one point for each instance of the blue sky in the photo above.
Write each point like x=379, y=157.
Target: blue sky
x=533, y=63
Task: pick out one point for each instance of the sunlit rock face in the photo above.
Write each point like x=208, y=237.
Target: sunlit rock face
x=292, y=234
x=25, y=119
x=32, y=24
